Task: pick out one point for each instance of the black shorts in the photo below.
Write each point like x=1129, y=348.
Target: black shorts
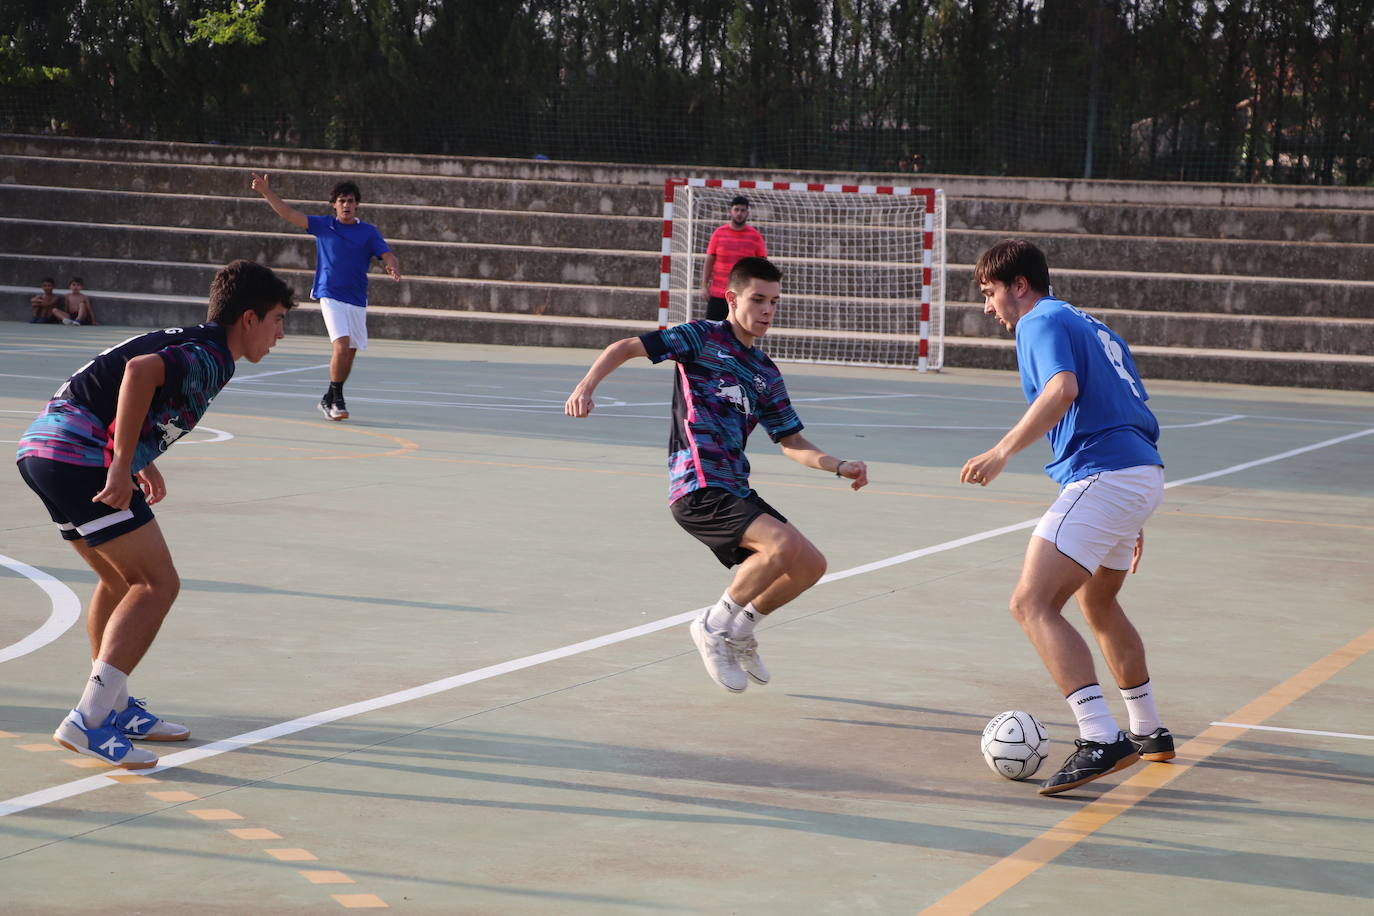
x=66, y=489
x=717, y=309
x=719, y=518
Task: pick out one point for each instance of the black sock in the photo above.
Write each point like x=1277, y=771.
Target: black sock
x=335, y=391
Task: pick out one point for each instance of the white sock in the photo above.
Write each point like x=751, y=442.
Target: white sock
x=721, y=613
x=106, y=687
x=1140, y=706
x=742, y=624
x=1095, y=722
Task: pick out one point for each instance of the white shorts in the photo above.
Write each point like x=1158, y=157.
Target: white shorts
x=1094, y=522
x=344, y=319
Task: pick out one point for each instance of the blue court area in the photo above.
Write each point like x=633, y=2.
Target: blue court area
x=435, y=658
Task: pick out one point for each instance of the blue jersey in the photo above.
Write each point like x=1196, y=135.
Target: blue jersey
x=722, y=391
x=343, y=253
x=77, y=427
x=1108, y=427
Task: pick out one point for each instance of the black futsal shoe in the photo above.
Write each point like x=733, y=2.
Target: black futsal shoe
x=1157, y=745
x=1090, y=760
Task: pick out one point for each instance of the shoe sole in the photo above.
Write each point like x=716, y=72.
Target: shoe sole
x=699, y=639
x=1120, y=765
x=181, y=737
x=342, y=415
x=1158, y=756
x=134, y=765
x=754, y=677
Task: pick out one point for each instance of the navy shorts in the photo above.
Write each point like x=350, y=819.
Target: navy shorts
x=719, y=518
x=67, y=489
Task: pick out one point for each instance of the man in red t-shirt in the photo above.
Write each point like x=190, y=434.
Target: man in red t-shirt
x=732, y=241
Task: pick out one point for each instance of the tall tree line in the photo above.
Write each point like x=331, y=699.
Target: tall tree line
x=1215, y=90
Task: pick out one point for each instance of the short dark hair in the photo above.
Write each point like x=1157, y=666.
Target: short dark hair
x=747, y=269
x=47, y=280
x=244, y=286
x=345, y=187
x=76, y=280
x=739, y=199
x=1012, y=258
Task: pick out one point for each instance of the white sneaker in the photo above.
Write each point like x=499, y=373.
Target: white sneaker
x=747, y=652
x=718, y=656
x=107, y=743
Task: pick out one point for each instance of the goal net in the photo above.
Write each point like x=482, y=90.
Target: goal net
x=863, y=266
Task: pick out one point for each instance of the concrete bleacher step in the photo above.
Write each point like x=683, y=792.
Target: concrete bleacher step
x=1273, y=285
x=395, y=190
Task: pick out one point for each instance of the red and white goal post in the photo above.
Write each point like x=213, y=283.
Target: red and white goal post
x=863, y=266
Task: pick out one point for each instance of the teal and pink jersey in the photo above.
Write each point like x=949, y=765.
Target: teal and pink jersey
x=722, y=391
x=77, y=427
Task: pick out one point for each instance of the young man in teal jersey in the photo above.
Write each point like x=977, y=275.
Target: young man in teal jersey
x=90, y=458
x=725, y=386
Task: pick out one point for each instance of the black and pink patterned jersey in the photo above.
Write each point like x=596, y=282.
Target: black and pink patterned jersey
x=77, y=427
x=722, y=391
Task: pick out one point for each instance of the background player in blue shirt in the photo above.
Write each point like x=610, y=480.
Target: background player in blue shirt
x=724, y=387
x=90, y=458
x=1087, y=397
x=344, y=248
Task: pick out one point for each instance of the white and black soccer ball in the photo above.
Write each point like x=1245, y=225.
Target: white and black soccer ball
x=1015, y=744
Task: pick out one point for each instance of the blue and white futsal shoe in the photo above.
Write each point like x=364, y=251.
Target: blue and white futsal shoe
x=107, y=742
x=138, y=723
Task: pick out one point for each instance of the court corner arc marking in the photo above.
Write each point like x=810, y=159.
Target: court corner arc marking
x=66, y=610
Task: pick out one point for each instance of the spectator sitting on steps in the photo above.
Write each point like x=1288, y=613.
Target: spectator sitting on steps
x=78, y=303
x=47, y=306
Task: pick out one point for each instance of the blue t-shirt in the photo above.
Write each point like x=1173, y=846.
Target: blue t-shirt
x=1108, y=427
x=722, y=391
x=342, y=256
x=78, y=425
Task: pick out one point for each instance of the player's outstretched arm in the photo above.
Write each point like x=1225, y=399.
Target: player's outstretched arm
x=580, y=402
x=283, y=209
x=1049, y=408
x=804, y=452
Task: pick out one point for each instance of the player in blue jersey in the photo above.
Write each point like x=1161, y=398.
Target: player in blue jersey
x=344, y=248
x=1087, y=397
x=90, y=457
x=724, y=387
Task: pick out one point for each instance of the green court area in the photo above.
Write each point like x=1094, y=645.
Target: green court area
x=435, y=658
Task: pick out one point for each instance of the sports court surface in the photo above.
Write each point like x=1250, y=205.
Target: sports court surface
x=435, y=658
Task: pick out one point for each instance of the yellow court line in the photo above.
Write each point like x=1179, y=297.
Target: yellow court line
x=1006, y=873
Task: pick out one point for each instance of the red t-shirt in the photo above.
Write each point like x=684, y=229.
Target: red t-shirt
x=729, y=244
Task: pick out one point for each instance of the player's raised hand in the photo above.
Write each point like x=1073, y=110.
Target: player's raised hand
x=260, y=183
x=853, y=470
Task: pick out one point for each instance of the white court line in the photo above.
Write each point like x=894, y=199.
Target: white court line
x=1212, y=422
x=181, y=758
x=250, y=378
x=1296, y=731
x=219, y=436
x=66, y=610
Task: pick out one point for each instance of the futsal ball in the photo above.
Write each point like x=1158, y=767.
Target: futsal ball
x=1014, y=744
